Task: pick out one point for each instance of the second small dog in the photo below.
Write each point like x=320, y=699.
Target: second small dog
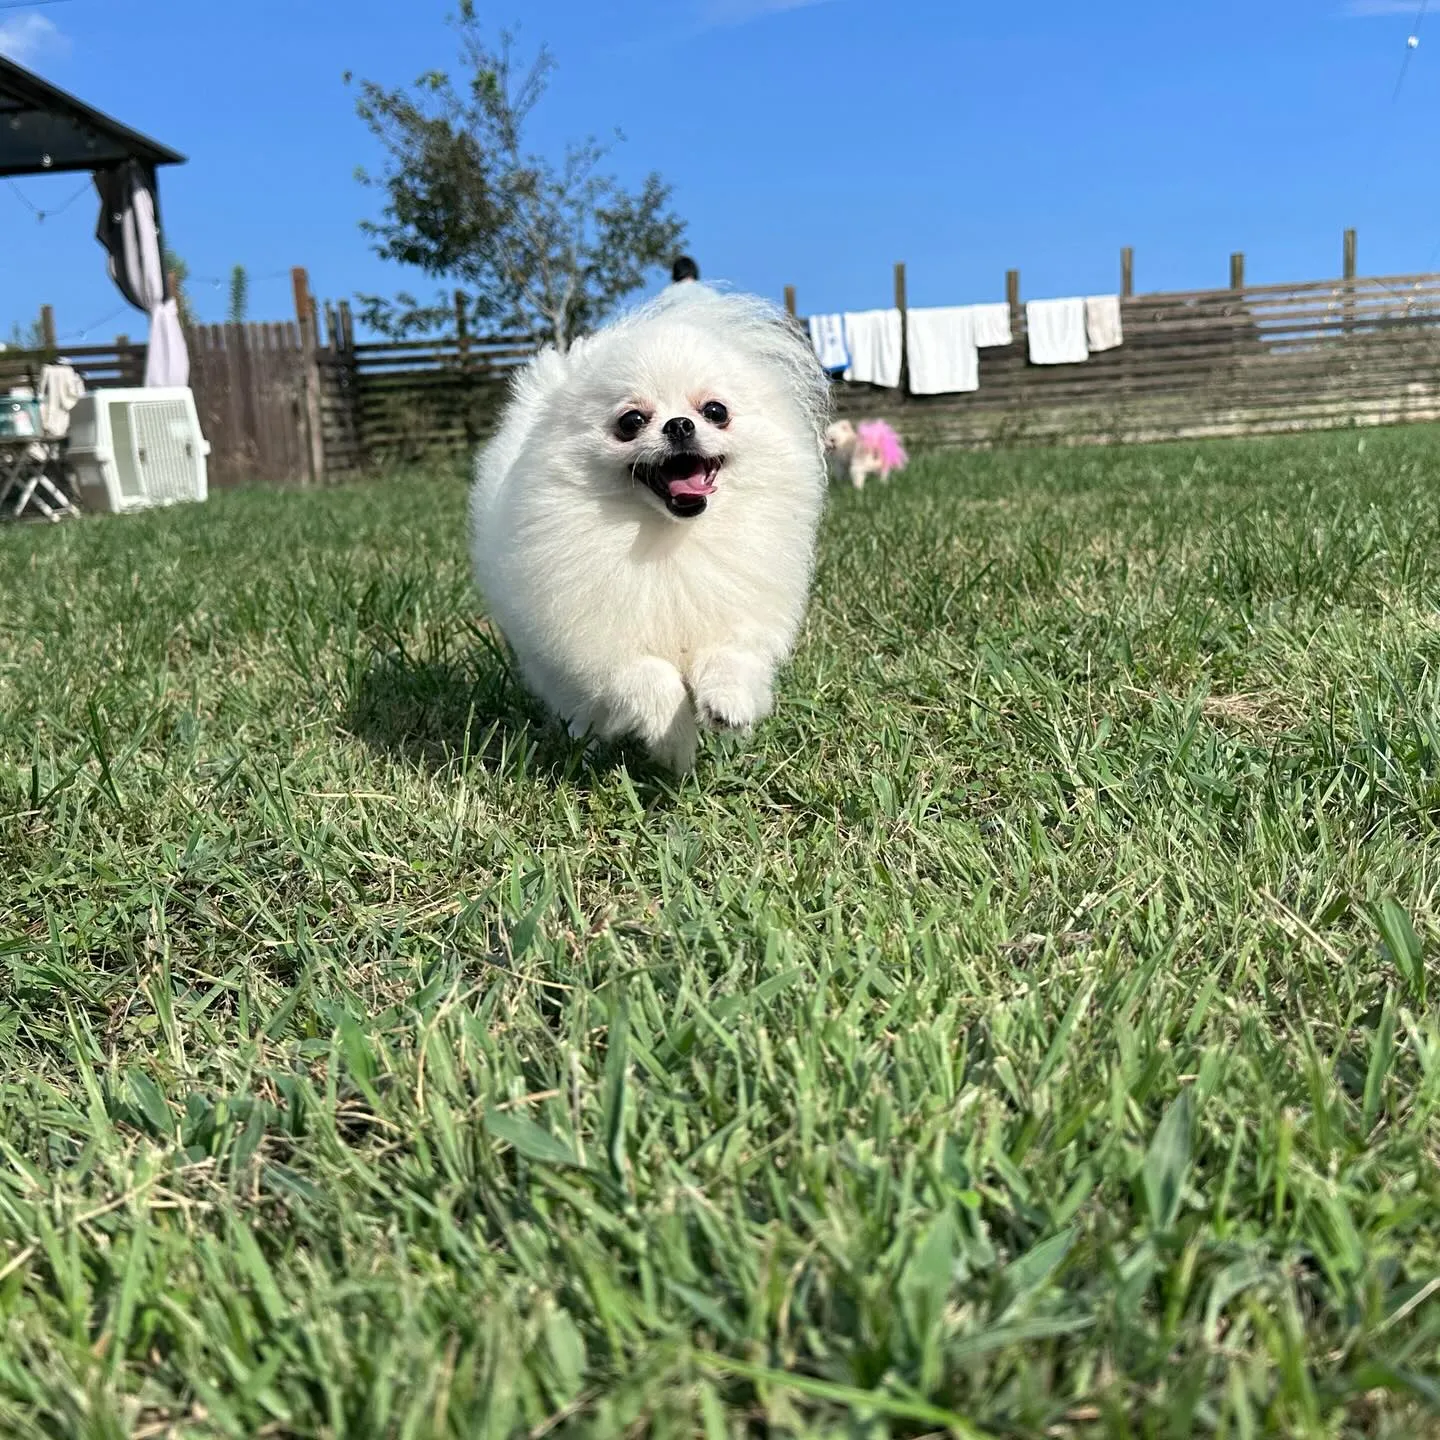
x=872, y=448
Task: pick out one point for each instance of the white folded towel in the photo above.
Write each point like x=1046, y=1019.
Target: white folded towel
x=873, y=338
x=943, y=357
x=1057, y=332
x=827, y=335
x=992, y=324
x=1102, y=323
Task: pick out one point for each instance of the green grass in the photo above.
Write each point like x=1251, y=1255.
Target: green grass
x=1029, y=1034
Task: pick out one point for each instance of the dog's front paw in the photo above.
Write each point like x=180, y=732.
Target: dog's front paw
x=647, y=699
x=732, y=690
x=722, y=719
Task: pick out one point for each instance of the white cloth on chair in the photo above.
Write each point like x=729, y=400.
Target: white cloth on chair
x=60, y=390
x=827, y=335
x=943, y=357
x=1057, y=332
x=876, y=346
x=1102, y=323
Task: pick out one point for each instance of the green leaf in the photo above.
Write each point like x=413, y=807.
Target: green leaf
x=1167, y=1163
x=249, y=1139
x=1030, y=1273
x=707, y=1309
x=359, y=1055
x=1018, y=1332
x=1382, y=1057
x=1335, y=1239
x=712, y=1413
x=729, y=1009
x=522, y=937
x=862, y=1402
x=567, y=1352
x=1377, y=1375
x=253, y=1265
x=151, y=1104
x=529, y=1140
x=131, y=1285
x=1403, y=945
x=928, y=1275
x=615, y=1099
x=1233, y=1280
x=1060, y=1043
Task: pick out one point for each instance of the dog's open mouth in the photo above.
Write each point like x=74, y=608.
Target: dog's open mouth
x=684, y=482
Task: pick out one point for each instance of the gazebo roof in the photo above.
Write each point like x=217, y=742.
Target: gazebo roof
x=44, y=131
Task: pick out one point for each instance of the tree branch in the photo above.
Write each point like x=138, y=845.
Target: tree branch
x=550, y=246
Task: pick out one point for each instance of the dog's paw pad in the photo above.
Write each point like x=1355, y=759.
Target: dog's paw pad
x=731, y=710
x=714, y=717
x=731, y=693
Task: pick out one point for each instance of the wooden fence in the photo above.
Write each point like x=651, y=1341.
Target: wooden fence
x=249, y=383
x=1239, y=360
x=413, y=399
x=304, y=402
x=297, y=403
x=99, y=365
x=1246, y=360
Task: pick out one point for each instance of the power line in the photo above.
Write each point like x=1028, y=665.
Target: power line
x=1411, y=45
x=1382, y=142
x=94, y=325
x=217, y=280
x=41, y=216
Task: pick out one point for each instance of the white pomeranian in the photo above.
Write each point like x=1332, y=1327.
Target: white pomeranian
x=643, y=523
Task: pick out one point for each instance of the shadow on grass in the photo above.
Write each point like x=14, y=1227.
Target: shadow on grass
x=450, y=715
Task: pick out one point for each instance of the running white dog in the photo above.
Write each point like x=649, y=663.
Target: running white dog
x=643, y=523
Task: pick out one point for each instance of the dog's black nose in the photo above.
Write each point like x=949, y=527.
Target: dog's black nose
x=681, y=427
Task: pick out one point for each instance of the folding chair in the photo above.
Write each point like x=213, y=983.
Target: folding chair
x=25, y=465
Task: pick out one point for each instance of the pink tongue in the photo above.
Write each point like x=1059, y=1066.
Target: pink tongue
x=695, y=484
x=696, y=480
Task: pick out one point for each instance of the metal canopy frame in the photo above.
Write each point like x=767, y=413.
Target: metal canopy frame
x=45, y=131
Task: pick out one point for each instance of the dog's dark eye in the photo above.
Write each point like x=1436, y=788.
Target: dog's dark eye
x=631, y=423
x=715, y=412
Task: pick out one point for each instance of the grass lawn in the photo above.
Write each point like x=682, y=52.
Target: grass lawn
x=1029, y=1034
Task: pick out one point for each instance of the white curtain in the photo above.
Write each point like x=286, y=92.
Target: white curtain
x=129, y=231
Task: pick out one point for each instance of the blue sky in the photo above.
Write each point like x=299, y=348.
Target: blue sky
x=810, y=142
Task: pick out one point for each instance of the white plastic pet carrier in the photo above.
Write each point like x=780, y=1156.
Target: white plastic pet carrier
x=130, y=449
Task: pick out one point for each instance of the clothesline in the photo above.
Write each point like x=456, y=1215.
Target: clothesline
x=42, y=215
x=942, y=344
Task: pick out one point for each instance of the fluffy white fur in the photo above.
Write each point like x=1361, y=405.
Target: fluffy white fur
x=625, y=619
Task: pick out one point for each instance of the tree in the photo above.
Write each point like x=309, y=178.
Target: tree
x=546, y=247
x=179, y=273
x=30, y=337
x=239, y=296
